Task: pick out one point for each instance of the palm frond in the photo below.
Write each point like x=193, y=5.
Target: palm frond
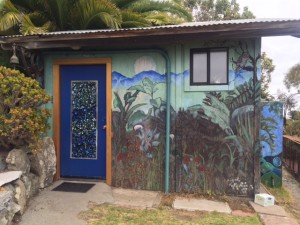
x=165, y=6
x=39, y=19
x=159, y=18
x=163, y=18
x=27, y=6
x=10, y=16
x=132, y=19
x=124, y=4
x=58, y=12
x=27, y=27
x=93, y=14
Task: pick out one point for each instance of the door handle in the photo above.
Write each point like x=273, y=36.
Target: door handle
x=104, y=127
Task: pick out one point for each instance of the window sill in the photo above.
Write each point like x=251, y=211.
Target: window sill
x=215, y=87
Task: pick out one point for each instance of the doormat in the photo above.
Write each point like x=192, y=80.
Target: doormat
x=74, y=187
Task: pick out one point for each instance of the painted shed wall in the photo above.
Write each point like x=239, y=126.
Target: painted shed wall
x=213, y=128
x=271, y=136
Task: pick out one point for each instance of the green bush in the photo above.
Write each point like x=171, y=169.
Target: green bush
x=23, y=118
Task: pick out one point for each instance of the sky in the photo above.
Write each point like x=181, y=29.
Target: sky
x=285, y=51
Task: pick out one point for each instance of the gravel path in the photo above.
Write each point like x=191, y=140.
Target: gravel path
x=293, y=186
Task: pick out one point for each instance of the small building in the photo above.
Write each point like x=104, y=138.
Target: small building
x=169, y=108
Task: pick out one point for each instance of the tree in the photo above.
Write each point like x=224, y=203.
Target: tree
x=208, y=10
x=267, y=67
x=289, y=103
x=292, y=78
x=39, y=16
x=22, y=118
x=293, y=124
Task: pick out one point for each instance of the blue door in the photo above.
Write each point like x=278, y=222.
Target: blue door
x=82, y=121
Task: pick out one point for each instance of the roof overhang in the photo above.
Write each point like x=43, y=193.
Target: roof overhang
x=234, y=29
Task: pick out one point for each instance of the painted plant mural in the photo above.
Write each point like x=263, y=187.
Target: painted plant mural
x=139, y=131
x=271, y=143
x=212, y=142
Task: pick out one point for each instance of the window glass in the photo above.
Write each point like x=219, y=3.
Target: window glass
x=200, y=67
x=218, y=67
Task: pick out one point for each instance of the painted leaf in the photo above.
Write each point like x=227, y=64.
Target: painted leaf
x=232, y=137
x=156, y=136
x=244, y=110
x=118, y=103
x=156, y=102
x=148, y=82
x=148, y=90
x=136, y=117
x=217, y=111
x=131, y=100
x=155, y=89
x=127, y=96
x=137, y=88
x=155, y=143
x=132, y=109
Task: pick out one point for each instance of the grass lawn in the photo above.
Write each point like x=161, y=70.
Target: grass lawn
x=108, y=214
x=281, y=195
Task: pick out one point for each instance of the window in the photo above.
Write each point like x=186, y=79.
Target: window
x=209, y=66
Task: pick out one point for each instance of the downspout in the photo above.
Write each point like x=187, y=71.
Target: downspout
x=168, y=119
x=165, y=55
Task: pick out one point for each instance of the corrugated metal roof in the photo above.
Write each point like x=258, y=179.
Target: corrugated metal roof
x=184, y=25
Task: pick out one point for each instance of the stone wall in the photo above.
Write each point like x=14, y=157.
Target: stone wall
x=22, y=175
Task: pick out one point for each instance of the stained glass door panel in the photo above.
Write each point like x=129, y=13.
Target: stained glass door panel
x=83, y=107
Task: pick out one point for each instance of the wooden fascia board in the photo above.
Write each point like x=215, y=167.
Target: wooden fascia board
x=217, y=31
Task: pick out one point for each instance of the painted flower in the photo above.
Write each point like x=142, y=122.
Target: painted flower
x=121, y=156
x=197, y=159
x=202, y=168
x=186, y=159
x=138, y=127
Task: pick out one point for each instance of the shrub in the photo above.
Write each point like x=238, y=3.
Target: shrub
x=23, y=118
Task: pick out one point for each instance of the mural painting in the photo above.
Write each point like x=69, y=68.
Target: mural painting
x=139, y=127
x=271, y=143
x=212, y=141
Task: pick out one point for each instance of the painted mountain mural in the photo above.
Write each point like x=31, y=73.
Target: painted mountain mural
x=212, y=143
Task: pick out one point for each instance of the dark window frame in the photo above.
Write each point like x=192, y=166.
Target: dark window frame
x=207, y=51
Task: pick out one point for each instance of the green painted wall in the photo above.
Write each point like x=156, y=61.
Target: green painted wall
x=213, y=128
x=123, y=63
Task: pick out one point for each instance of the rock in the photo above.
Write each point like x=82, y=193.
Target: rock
x=9, y=187
x=31, y=183
x=8, y=208
x=43, y=163
x=17, y=159
x=7, y=177
x=20, y=195
x=2, y=164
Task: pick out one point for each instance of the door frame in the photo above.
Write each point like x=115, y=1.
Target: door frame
x=56, y=108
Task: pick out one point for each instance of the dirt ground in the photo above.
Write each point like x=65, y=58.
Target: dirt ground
x=235, y=203
x=292, y=186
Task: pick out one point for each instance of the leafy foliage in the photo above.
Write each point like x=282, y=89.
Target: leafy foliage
x=292, y=78
x=207, y=10
x=148, y=87
x=288, y=105
x=293, y=124
x=40, y=16
x=267, y=67
x=241, y=95
x=293, y=128
x=22, y=118
x=268, y=125
x=128, y=115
